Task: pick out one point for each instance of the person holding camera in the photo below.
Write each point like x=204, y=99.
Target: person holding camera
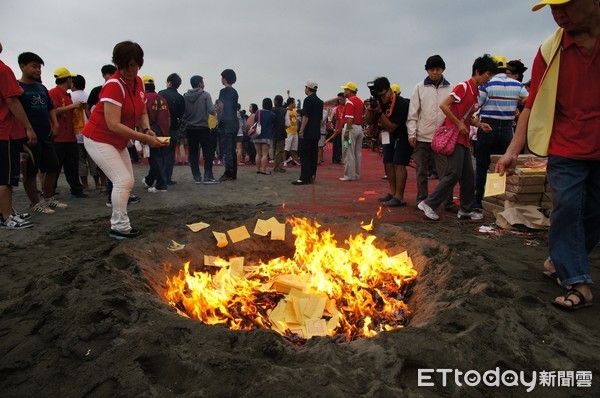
x=390, y=111
x=353, y=136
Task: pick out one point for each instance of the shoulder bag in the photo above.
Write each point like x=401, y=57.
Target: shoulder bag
x=256, y=128
x=445, y=137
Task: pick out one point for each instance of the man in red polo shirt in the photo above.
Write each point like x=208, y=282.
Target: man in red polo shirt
x=12, y=120
x=565, y=77
x=65, y=141
x=353, y=136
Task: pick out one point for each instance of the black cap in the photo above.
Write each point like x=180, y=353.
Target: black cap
x=435, y=61
x=516, y=66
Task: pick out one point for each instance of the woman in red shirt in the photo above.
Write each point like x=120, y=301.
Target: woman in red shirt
x=122, y=108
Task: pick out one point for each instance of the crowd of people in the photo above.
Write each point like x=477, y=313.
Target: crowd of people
x=63, y=128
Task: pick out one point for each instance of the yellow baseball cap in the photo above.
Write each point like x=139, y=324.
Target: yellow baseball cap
x=541, y=4
x=62, y=73
x=500, y=61
x=350, y=86
x=396, y=89
x=148, y=79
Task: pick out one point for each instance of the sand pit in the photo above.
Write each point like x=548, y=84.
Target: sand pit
x=86, y=320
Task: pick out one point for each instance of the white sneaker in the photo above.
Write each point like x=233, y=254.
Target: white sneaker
x=346, y=179
x=41, y=207
x=13, y=222
x=429, y=212
x=55, y=204
x=155, y=190
x=144, y=182
x=471, y=215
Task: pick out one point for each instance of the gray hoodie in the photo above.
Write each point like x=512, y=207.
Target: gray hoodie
x=198, y=105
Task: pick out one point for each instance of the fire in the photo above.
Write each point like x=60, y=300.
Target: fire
x=348, y=292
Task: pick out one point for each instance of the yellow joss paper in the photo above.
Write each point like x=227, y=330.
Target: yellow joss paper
x=197, y=226
x=238, y=234
x=494, y=184
x=262, y=227
x=278, y=231
x=174, y=246
x=221, y=239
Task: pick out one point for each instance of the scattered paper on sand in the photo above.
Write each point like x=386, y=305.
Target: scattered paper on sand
x=238, y=234
x=197, y=226
x=221, y=239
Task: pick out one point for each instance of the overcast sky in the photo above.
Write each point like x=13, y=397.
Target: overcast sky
x=274, y=45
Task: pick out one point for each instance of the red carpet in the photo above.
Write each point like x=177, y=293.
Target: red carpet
x=356, y=199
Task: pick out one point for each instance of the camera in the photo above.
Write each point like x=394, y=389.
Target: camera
x=374, y=100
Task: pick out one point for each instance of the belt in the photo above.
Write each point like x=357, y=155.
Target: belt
x=496, y=121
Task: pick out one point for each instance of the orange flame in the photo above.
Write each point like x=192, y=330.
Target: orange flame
x=348, y=292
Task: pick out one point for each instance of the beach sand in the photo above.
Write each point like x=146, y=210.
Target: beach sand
x=81, y=315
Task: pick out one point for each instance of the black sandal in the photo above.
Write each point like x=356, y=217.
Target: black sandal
x=572, y=307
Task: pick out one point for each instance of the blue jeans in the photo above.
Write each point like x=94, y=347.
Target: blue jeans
x=575, y=219
x=494, y=142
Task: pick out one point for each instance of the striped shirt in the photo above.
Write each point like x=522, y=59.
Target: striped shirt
x=498, y=99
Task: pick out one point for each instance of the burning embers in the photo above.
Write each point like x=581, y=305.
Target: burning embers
x=324, y=289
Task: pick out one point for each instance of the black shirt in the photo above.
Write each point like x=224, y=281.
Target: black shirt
x=313, y=109
x=279, y=133
x=399, y=116
x=229, y=97
x=176, y=105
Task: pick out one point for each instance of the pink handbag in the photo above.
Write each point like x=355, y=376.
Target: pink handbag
x=445, y=137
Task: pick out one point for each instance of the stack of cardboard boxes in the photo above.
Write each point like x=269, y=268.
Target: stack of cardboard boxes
x=528, y=186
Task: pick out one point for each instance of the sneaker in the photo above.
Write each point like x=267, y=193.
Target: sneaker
x=108, y=203
x=22, y=215
x=452, y=208
x=124, y=235
x=225, y=177
x=13, y=222
x=133, y=199
x=471, y=215
x=171, y=182
x=41, y=207
x=79, y=195
x=155, y=190
x=198, y=180
x=429, y=212
x=211, y=181
x=346, y=179
x=144, y=182
x=55, y=204
x=385, y=198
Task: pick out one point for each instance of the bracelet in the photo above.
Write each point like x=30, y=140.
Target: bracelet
x=146, y=129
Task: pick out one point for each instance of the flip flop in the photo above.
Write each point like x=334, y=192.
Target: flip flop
x=553, y=276
x=572, y=307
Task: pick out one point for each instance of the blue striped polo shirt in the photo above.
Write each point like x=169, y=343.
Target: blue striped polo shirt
x=498, y=99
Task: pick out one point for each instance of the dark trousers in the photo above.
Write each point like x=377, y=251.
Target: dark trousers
x=494, y=142
x=201, y=138
x=278, y=152
x=157, y=170
x=169, y=156
x=68, y=160
x=228, y=147
x=337, y=149
x=308, y=150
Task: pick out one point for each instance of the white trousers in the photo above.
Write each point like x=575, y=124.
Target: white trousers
x=352, y=154
x=116, y=164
